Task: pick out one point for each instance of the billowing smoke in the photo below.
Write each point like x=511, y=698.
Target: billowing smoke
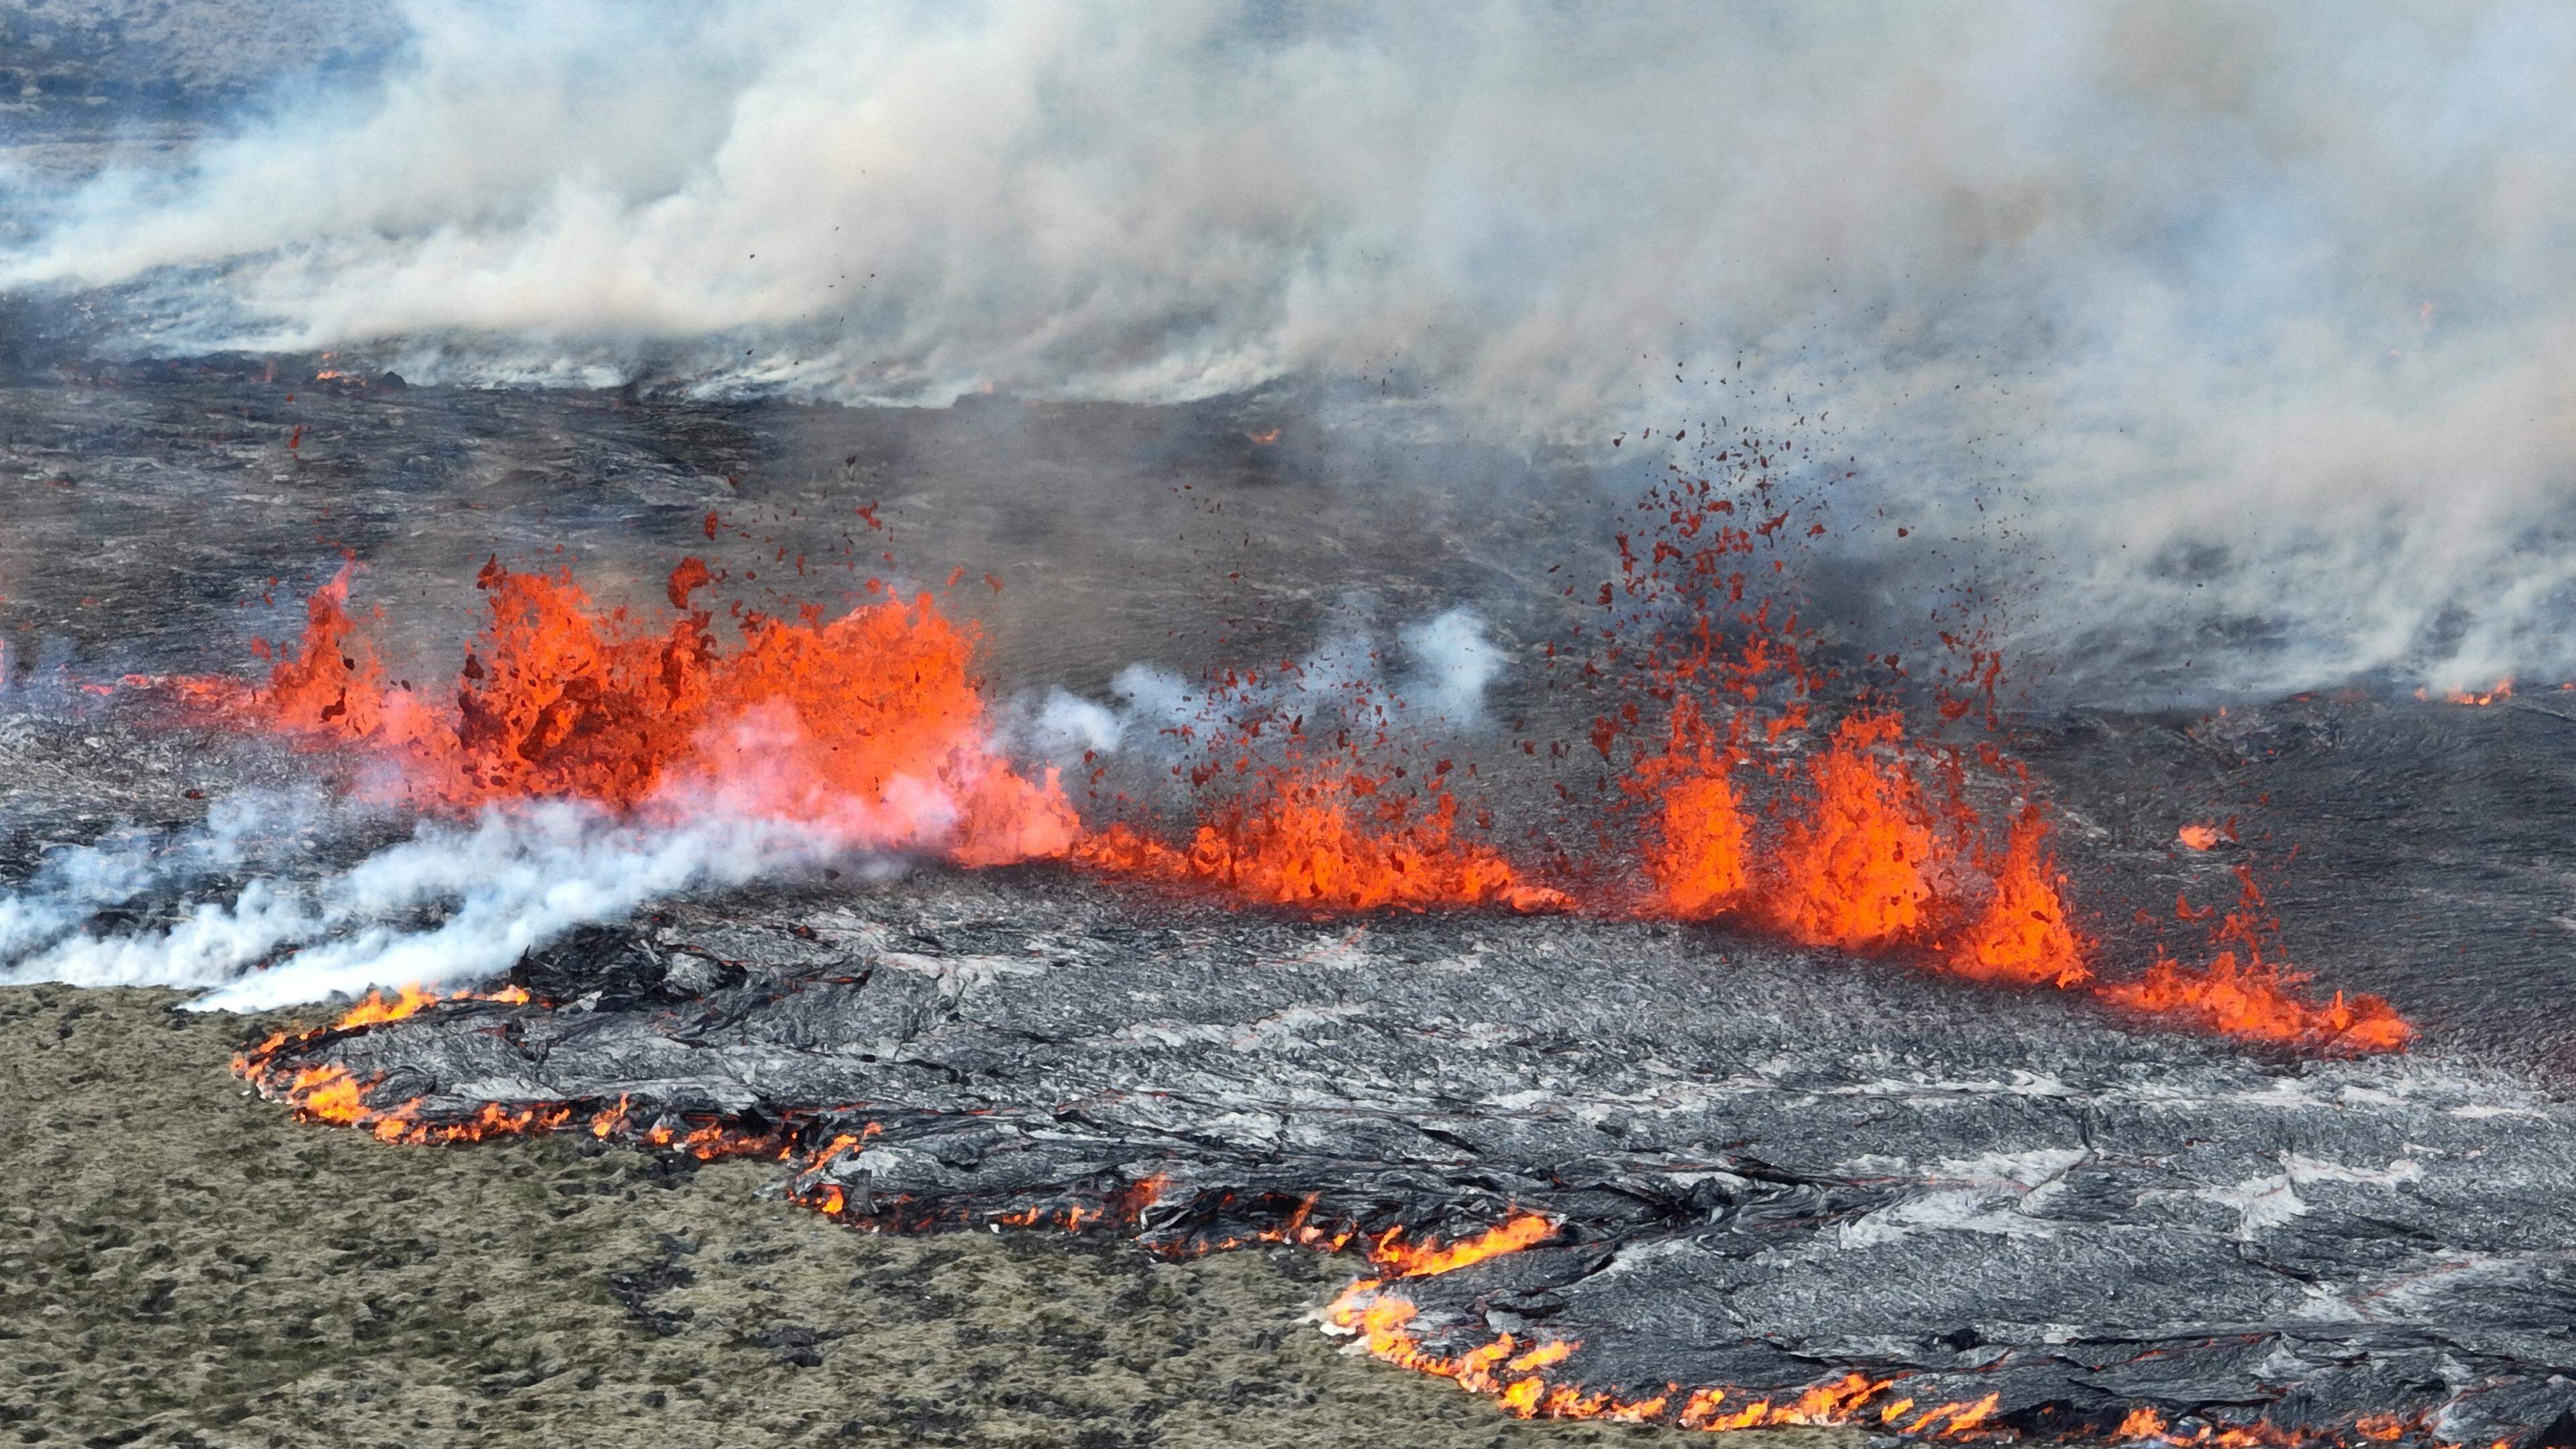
x=453, y=903
x=2244, y=322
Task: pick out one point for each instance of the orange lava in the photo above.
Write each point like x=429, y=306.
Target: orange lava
x=870, y=725
x=1424, y=1259
x=330, y=1094
x=1513, y=1370
x=375, y=1006
x=2242, y=993
x=871, y=728
x=1331, y=841
x=1858, y=868
x=2022, y=938
x=1524, y=1376
x=1698, y=847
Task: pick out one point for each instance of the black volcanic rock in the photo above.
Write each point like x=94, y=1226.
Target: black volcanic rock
x=1767, y=1167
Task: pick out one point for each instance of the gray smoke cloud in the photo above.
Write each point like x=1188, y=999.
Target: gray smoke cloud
x=2251, y=321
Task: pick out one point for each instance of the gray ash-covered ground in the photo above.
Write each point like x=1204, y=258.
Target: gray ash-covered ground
x=1768, y=1167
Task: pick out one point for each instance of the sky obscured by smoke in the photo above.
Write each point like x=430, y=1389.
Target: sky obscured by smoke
x=2261, y=316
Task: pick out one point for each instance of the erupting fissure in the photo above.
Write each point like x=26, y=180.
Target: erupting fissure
x=1305, y=841
x=2241, y=992
x=869, y=726
x=871, y=729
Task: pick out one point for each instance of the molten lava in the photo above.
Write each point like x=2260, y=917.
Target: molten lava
x=1698, y=848
x=2022, y=938
x=2242, y=993
x=1512, y=1369
x=869, y=726
x=1858, y=870
x=871, y=729
x=1329, y=841
x=330, y=1094
x=1427, y=1258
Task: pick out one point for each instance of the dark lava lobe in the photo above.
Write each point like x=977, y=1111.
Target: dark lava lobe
x=1768, y=1168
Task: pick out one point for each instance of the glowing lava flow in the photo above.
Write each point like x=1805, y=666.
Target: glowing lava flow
x=1529, y=1377
x=869, y=726
x=872, y=729
x=330, y=1094
x=1698, y=845
x=2022, y=938
x=2242, y=993
x=1303, y=842
x=1860, y=867
x=1514, y=1371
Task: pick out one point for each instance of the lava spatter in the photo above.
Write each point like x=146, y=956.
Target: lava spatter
x=1699, y=847
x=872, y=728
x=1859, y=864
x=1332, y=842
x=2022, y=937
x=2240, y=991
x=869, y=726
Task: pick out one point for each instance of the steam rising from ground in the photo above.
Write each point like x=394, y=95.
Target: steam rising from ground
x=1427, y=682
x=454, y=903
x=263, y=906
x=2264, y=308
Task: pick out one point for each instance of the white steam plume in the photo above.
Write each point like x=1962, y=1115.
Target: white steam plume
x=455, y=903
x=1433, y=686
x=2265, y=307
x=1451, y=664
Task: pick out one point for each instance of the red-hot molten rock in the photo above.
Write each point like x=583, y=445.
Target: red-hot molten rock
x=871, y=727
x=1307, y=841
x=2244, y=993
x=870, y=724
